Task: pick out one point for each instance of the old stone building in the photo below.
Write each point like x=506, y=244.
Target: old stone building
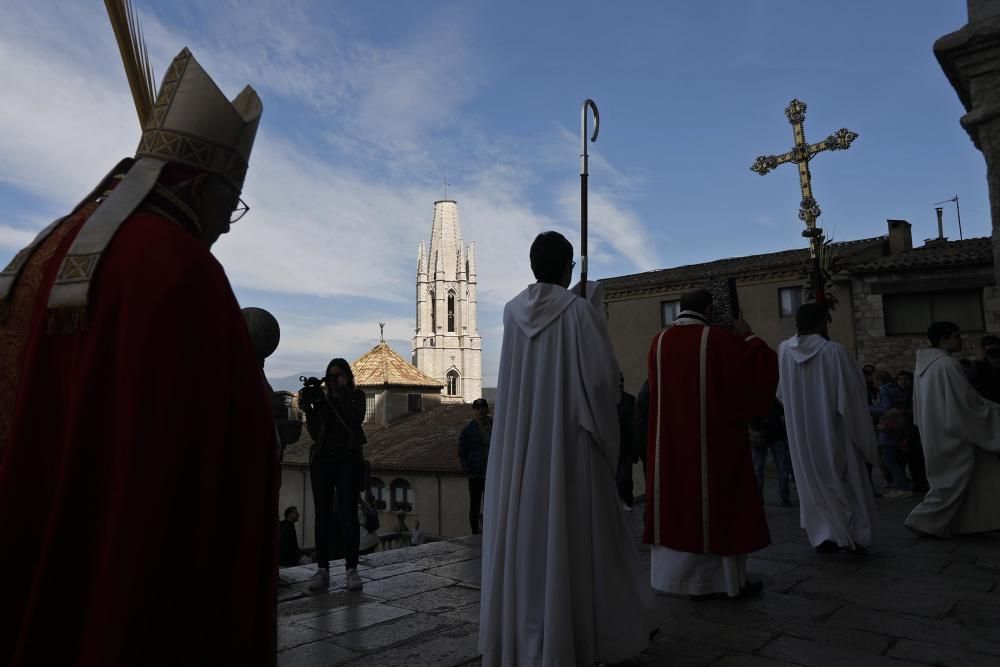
x=415, y=469
x=412, y=450
x=393, y=386
x=895, y=299
x=446, y=341
x=887, y=293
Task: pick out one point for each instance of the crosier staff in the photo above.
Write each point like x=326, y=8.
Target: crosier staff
x=583, y=186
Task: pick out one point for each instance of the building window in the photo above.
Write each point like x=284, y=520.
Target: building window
x=451, y=312
x=453, y=382
x=369, y=407
x=669, y=310
x=434, y=313
x=911, y=314
x=378, y=493
x=789, y=300
x=414, y=402
x=401, y=496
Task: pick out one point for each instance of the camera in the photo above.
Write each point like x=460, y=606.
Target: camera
x=311, y=393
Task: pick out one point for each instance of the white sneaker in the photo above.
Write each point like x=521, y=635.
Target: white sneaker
x=321, y=580
x=626, y=507
x=354, y=582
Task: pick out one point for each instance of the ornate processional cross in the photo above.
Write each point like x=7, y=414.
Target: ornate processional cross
x=801, y=154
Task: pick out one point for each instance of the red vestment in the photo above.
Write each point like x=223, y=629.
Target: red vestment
x=138, y=472
x=701, y=493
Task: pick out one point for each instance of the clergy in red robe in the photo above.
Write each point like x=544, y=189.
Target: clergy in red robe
x=703, y=513
x=138, y=465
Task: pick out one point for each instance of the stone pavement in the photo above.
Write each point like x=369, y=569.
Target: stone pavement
x=910, y=602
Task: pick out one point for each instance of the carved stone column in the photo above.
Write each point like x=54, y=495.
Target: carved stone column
x=970, y=58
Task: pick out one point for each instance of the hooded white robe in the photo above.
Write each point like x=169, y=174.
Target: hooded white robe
x=960, y=432
x=830, y=436
x=562, y=583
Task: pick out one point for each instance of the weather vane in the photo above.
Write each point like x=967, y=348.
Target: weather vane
x=802, y=152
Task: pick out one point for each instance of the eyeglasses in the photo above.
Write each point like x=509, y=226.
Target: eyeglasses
x=238, y=212
x=572, y=265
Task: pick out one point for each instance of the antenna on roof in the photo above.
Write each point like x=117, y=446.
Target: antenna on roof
x=381, y=331
x=958, y=213
x=446, y=185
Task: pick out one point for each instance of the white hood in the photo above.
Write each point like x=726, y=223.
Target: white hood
x=538, y=306
x=804, y=348
x=928, y=357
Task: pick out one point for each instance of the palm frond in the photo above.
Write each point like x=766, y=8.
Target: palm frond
x=135, y=57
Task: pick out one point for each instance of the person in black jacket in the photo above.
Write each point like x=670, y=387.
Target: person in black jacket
x=642, y=423
x=473, y=452
x=627, y=455
x=288, y=540
x=336, y=466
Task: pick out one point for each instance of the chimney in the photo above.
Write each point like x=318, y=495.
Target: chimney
x=941, y=238
x=900, y=238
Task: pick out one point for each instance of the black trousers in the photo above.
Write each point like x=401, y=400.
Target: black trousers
x=476, y=487
x=344, y=480
x=623, y=478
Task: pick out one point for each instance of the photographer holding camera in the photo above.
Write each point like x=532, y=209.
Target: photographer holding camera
x=335, y=410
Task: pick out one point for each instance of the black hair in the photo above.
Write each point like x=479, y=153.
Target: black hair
x=938, y=331
x=989, y=339
x=884, y=377
x=480, y=402
x=810, y=318
x=697, y=300
x=290, y=509
x=345, y=368
x=550, y=255
x=908, y=374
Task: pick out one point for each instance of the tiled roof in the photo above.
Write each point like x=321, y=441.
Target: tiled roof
x=767, y=263
x=946, y=253
x=420, y=442
x=382, y=366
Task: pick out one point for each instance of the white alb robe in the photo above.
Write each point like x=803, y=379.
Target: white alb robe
x=960, y=434
x=830, y=436
x=562, y=583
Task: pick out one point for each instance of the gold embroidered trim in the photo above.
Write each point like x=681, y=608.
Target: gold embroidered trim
x=21, y=305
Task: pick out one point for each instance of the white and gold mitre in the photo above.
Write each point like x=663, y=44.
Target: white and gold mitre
x=192, y=123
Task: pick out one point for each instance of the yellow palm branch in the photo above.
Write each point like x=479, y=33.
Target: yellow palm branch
x=135, y=57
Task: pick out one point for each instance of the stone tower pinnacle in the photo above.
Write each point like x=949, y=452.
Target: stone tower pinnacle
x=446, y=342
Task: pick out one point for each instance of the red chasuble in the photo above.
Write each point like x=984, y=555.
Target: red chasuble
x=138, y=474
x=704, y=384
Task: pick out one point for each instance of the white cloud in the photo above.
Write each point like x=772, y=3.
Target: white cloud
x=612, y=229
x=13, y=239
x=340, y=187
x=307, y=344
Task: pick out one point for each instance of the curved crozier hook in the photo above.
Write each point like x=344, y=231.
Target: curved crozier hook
x=597, y=116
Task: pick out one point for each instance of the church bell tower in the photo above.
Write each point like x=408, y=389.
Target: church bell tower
x=447, y=345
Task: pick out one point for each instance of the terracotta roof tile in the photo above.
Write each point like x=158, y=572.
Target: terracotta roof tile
x=423, y=441
x=947, y=253
x=767, y=263
x=381, y=366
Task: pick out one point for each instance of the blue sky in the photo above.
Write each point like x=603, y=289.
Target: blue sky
x=367, y=105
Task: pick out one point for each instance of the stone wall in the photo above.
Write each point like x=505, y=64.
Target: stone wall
x=895, y=353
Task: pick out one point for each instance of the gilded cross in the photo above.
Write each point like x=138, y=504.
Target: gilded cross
x=801, y=154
